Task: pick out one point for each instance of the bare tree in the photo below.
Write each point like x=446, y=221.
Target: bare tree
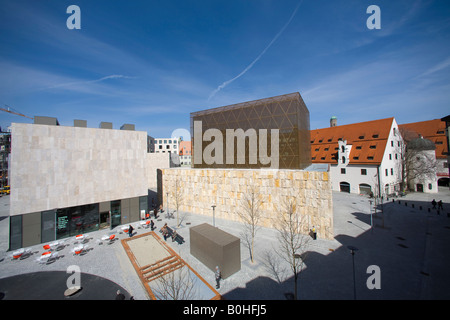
x=250, y=213
x=291, y=226
x=271, y=263
x=176, y=285
x=177, y=196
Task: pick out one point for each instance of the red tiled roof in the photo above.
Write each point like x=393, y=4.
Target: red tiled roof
x=433, y=130
x=368, y=140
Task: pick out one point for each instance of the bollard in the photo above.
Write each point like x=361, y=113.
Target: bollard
x=406, y=204
x=420, y=207
x=412, y=205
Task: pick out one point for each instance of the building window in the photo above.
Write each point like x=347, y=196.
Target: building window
x=430, y=186
x=160, y=146
x=396, y=157
x=392, y=143
x=390, y=156
x=364, y=172
x=343, y=150
x=387, y=172
x=342, y=170
x=343, y=159
x=392, y=171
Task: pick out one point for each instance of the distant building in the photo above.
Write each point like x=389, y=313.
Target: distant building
x=166, y=145
x=363, y=157
x=5, y=150
x=185, y=153
x=433, y=130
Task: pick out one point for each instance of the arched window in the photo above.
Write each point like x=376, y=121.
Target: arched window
x=344, y=186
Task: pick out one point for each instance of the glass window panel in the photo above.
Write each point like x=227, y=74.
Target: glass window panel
x=115, y=213
x=48, y=225
x=62, y=223
x=15, y=232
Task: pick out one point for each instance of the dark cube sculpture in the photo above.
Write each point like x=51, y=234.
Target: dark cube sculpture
x=215, y=247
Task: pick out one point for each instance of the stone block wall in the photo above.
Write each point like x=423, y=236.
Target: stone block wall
x=199, y=189
x=59, y=167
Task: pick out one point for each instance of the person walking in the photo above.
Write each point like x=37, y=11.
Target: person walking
x=130, y=231
x=433, y=203
x=218, y=276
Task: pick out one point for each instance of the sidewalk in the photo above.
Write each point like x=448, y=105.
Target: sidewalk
x=410, y=246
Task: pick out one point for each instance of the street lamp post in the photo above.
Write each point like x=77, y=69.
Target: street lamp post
x=370, y=207
x=167, y=203
x=214, y=217
x=352, y=251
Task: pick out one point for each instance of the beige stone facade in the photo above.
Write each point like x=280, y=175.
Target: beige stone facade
x=58, y=167
x=199, y=189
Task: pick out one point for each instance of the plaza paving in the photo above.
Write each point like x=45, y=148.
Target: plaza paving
x=409, y=245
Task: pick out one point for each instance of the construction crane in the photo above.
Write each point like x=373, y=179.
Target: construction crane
x=14, y=112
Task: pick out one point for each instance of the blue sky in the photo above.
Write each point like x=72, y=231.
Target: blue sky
x=152, y=63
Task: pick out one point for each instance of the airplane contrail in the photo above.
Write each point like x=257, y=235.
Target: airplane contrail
x=223, y=85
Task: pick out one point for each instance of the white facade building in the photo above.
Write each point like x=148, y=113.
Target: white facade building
x=166, y=145
x=364, y=157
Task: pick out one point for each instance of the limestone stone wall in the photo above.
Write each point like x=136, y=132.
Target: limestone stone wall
x=199, y=189
x=58, y=167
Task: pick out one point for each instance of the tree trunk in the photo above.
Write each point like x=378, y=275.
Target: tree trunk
x=295, y=285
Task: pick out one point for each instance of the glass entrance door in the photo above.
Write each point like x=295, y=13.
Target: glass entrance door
x=115, y=213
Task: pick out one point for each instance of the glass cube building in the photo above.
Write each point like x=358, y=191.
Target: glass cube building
x=285, y=116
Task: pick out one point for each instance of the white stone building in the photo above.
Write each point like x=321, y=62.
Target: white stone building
x=364, y=157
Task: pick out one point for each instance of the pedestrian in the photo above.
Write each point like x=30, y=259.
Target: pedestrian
x=433, y=203
x=130, y=231
x=152, y=225
x=218, y=276
x=164, y=231
x=314, y=233
x=440, y=206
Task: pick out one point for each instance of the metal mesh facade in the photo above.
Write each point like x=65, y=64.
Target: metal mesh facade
x=287, y=113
